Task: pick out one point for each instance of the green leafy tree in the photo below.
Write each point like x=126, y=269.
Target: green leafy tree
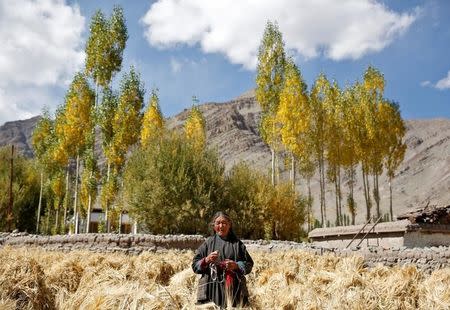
x=106, y=114
x=25, y=190
x=104, y=55
x=126, y=124
x=241, y=187
x=172, y=187
x=105, y=46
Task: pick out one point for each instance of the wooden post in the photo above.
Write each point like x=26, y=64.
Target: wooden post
x=9, y=217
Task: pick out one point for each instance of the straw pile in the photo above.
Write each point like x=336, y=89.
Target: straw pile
x=36, y=279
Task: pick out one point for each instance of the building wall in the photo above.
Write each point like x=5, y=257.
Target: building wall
x=385, y=242
x=419, y=239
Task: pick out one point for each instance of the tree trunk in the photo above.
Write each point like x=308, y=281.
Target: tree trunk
x=273, y=166
x=339, y=194
x=47, y=224
x=108, y=173
x=120, y=222
x=353, y=211
x=57, y=217
x=75, y=206
x=309, y=206
x=322, y=164
x=66, y=200
x=277, y=168
x=40, y=203
x=391, y=212
x=338, y=217
x=9, y=217
x=366, y=194
x=376, y=194
x=88, y=215
x=135, y=227
x=293, y=171
x=321, y=195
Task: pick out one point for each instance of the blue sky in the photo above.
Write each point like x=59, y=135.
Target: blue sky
x=208, y=48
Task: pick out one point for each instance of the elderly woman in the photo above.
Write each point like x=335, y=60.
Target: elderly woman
x=222, y=260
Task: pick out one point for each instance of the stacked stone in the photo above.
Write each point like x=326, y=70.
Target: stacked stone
x=104, y=243
x=427, y=259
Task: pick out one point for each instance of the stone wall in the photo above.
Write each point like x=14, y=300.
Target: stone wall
x=427, y=258
x=105, y=243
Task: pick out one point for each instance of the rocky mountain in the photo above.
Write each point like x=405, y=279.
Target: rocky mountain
x=232, y=128
x=19, y=133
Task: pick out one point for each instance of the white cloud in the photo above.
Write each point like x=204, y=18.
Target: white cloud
x=175, y=65
x=426, y=84
x=444, y=83
x=24, y=102
x=41, y=47
x=336, y=29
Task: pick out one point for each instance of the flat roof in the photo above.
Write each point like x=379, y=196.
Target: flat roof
x=380, y=228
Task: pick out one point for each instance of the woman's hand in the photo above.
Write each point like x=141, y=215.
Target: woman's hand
x=212, y=257
x=231, y=264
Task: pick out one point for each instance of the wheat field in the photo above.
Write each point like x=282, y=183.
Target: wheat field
x=38, y=279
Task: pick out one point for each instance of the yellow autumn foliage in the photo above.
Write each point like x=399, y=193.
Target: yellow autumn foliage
x=195, y=129
x=152, y=122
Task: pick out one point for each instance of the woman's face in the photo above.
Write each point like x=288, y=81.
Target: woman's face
x=222, y=226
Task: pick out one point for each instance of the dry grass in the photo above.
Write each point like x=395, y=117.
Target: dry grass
x=35, y=279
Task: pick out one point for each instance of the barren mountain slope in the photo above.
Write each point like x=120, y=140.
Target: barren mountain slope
x=423, y=177
x=19, y=133
x=232, y=128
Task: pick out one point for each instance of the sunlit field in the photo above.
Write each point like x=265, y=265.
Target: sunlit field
x=36, y=279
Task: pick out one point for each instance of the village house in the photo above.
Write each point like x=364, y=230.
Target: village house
x=423, y=227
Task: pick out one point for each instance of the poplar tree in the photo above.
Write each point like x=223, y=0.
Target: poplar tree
x=195, y=127
x=363, y=143
x=60, y=155
x=269, y=83
x=104, y=55
x=153, y=120
x=349, y=153
x=126, y=123
x=319, y=95
x=75, y=126
x=106, y=113
x=394, y=130
x=42, y=141
x=105, y=46
x=57, y=186
x=334, y=143
x=374, y=87
x=293, y=115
